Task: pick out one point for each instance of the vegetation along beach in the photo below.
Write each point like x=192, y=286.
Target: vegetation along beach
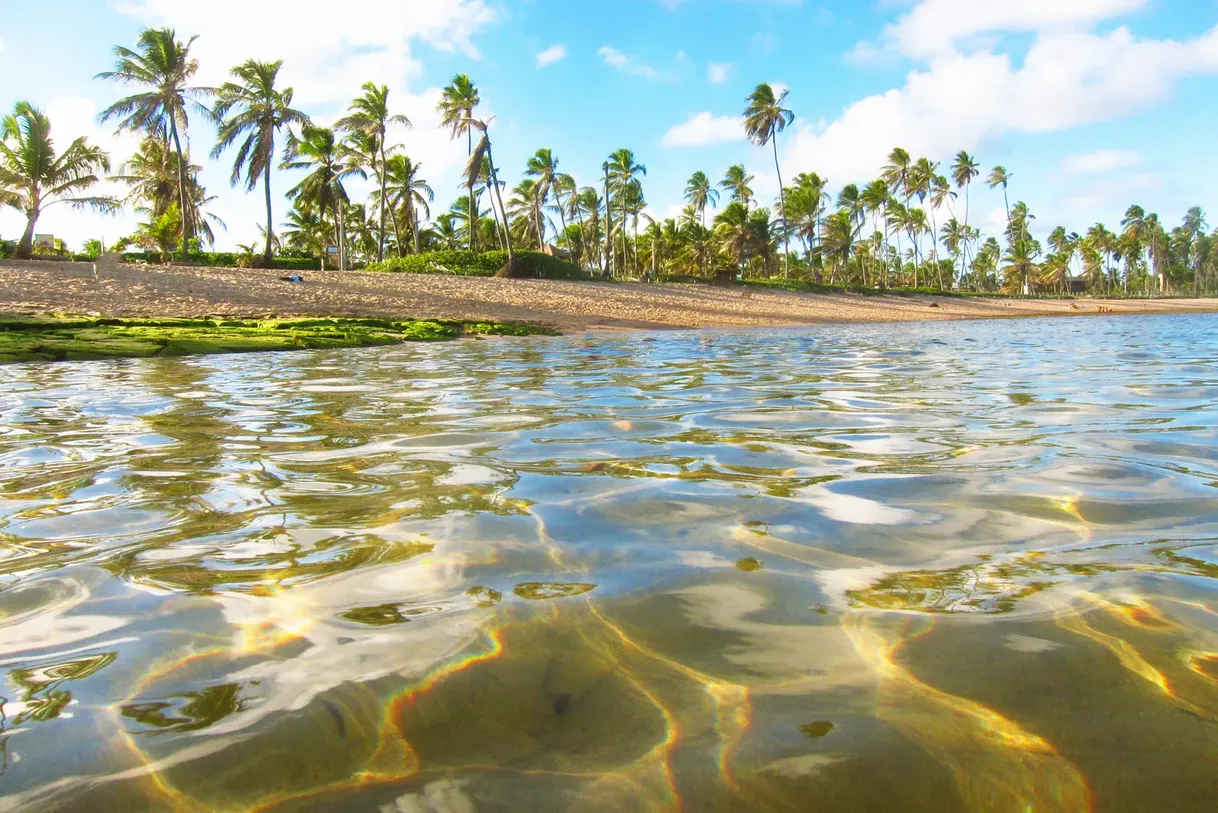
x=484, y=406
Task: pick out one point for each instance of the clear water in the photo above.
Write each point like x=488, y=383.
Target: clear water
x=966, y=566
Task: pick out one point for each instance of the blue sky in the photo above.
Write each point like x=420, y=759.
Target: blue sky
x=1091, y=104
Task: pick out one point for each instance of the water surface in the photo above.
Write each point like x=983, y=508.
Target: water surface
x=965, y=566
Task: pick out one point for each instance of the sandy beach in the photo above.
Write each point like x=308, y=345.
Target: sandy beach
x=128, y=290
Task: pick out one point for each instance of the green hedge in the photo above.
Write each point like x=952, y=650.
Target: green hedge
x=226, y=259
x=487, y=264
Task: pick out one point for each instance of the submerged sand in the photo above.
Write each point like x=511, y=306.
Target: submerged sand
x=128, y=290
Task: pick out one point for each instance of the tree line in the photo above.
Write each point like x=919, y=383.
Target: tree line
x=910, y=227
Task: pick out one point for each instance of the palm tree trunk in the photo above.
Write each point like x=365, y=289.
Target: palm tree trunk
x=25, y=247
x=608, y=272
x=268, y=260
x=414, y=222
x=469, y=138
x=183, y=211
x=499, y=196
x=342, y=237
x=380, y=238
x=782, y=196
x=397, y=235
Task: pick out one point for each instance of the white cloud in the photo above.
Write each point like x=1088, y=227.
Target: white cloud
x=551, y=55
x=1112, y=195
x=620, y=61
x=716, y=72
x=962, y=101
x=704, y=129
x=935, y=26
x=1094, y=163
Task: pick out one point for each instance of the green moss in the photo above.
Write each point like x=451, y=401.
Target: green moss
x=79, y=339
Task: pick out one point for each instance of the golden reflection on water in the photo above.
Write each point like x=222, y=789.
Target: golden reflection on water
x=775, y=573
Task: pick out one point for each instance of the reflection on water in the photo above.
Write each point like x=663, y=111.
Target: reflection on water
x=937, y=567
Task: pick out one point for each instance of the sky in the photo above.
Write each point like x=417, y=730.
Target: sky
x=1091, y=105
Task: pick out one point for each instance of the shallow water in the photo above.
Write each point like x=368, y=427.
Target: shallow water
x=966, y=566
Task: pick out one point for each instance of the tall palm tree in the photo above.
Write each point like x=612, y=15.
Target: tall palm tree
x=624, y=171
x=317, y=150
x=369, y=114
x=764, y=119
x=1000, y=177
x=736, y=181
x=964, y=170
x=33, y=176
x=253, y=109
x=456, y=108
x=162, y=65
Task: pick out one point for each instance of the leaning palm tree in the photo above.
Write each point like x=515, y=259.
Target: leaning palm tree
x=318, y=151
x=1000, y=177
x=253, y=109
x=456, y=108
x=369, y=114
x=473, y=170
x=764, y=119
x=33, y=176
x=163, y=66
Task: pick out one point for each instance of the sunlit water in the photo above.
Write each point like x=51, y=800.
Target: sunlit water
x=937, y=567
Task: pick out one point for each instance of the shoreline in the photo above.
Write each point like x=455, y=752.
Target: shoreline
x=131, y=291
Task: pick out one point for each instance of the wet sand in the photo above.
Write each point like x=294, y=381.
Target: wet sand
x=128, y=290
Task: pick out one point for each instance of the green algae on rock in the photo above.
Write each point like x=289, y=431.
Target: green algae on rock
x=83, y=338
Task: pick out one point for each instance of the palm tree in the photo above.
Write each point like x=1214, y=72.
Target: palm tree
x=964, y=170
x=474, y=168
x=564, y=184
x=736, y=181
x=161, y=64
x=254, y=109
x=152, y=176
x=318, y=151
x=542, y=166
x=699, y=193
x=1020, y=266
x=1000, y=177
x=33, y=176
x=733, y=233
x=369, y=114
x=456, y=108
x=408, y=190
x=623, y=171
x=764, y=119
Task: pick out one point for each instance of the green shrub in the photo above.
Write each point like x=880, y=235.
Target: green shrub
x=468, y=264
x=457, y=263
x=225, y=259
